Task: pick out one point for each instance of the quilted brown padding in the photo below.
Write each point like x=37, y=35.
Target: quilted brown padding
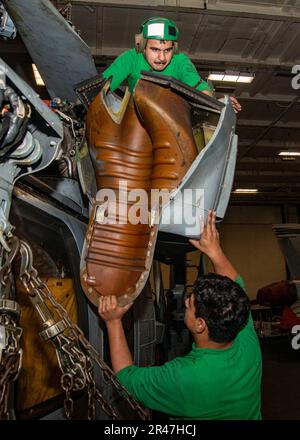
x=167, y=118
x=151, y=146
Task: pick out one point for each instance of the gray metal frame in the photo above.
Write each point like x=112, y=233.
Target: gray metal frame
x=212, y=171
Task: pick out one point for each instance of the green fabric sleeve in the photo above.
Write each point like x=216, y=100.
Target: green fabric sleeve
x=119, y=69
x=190, y=76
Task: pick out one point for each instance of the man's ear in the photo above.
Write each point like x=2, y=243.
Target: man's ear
x=200, y=325
x=140, y=43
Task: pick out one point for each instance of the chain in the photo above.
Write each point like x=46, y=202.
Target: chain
x=107, y=372
x=8, y=373
x=91, y=389
x=67, y=385
x=39, y=292
x=11, y=251
x=10, y=333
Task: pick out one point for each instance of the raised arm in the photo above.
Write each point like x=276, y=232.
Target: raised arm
x=112, y=314
x=209, y=244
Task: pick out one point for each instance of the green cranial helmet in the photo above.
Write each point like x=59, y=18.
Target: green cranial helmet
x=158, y=28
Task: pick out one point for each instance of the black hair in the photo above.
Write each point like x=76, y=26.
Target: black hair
x=223, y=305
x=161, y=41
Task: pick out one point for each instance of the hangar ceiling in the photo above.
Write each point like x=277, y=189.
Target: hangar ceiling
x=259, y=37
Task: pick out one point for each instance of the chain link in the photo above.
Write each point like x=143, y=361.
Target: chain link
x=10, y=333
x=73, y=350
x=36, y=287
x=8, y=373
x=91, y=401
x=107, y=372
x=67, y=384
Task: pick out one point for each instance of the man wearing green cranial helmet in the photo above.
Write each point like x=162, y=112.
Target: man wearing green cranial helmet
x=156, y=50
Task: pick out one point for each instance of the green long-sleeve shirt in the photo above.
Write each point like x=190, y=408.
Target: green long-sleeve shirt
x=130, y=64
x=205, y=384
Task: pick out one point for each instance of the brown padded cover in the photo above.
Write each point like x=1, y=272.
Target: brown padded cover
x=39, y=379
x=151, y=147
x=167, y=118
x=116, y=253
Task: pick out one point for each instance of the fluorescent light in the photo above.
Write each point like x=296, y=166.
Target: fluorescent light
x=289, y=153
x=38, y=79
x=245, y=190
x=288, y=158
x=216, y=76
x=245, y=78
x=231, y=77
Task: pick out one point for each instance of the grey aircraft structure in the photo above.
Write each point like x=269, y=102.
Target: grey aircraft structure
x=46, y=186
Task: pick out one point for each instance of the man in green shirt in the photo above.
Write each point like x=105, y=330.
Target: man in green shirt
x=221, y=377
x=157, y=51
